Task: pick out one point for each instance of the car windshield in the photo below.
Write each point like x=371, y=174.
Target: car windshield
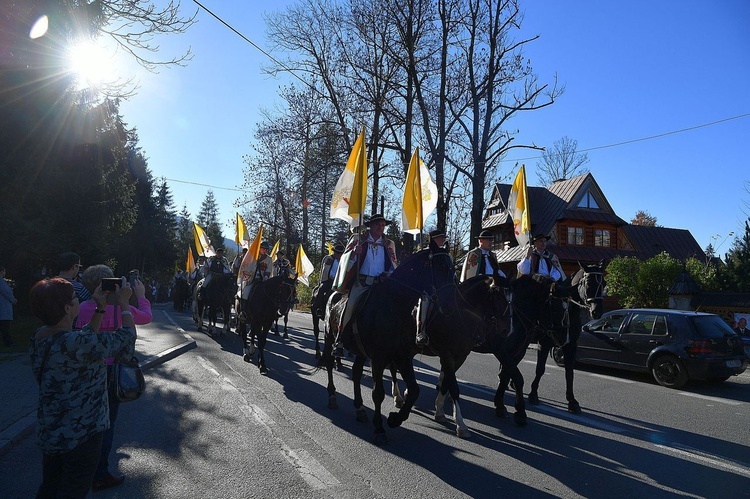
x=711, y=326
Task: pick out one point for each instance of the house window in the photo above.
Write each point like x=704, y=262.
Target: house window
x=575, y=236
x=601, y=238
x=588, y=201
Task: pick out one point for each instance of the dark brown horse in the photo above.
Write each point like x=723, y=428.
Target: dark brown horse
x=218, y=296
x=581, y=291
x=319, y=300
x=478, y=319
x=383, y=330
x=268, y=300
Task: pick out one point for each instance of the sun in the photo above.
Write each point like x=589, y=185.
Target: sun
x=91, y=63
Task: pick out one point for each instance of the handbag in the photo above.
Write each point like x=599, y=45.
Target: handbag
x=129, y=382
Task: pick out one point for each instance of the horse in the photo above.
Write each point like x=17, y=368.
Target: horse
x=383, y=329
x=581, y=291
x=180, y=293
x=268, y=300
x=479, y=319
x=219, y=295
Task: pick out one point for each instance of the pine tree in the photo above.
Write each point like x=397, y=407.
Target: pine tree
x=208, y=218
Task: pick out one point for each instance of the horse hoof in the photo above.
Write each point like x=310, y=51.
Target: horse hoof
x=286, y=336
x=317, y=354
x=263, y=370
x=247, y=359
x=520, y=419
x=463, y=433
x=332, y=402
x=574, y=407
x=501, y=412
x=361, y=416
x=399, y=403
x=533, y=398
x=379, y=439
x=394, y=420
x=441, y=419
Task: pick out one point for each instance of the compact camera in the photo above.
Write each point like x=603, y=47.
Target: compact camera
x=111, y=283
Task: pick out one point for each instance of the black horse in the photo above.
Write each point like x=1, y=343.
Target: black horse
x=288, y=307
x=218, y=296
x=268, y=300
x=383, y=330
x=479, y=319
x=581, y=291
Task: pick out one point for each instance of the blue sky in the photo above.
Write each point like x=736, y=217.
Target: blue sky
x=632, y=70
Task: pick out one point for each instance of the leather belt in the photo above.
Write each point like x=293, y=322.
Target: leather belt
x=368, y=280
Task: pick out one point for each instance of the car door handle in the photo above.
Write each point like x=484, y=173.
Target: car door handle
x=654, y=342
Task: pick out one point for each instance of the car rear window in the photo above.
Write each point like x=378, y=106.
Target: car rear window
x=711, y=326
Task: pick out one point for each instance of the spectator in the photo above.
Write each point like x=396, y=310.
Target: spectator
x=73, y=409
x=741, y=328
x=69, y=265
x=7, y=300
x=92, y=279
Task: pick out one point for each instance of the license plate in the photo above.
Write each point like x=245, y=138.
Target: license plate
x=733, y=363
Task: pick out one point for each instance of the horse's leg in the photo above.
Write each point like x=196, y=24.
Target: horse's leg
x=502, y=385
x=286, y=319
x=327, y=361
x=450, y=385
x=406, y=368
x=519, y=417
x=378, y=395
x=545, y=345
x=398, y=399
x=569, y=358
x=262, y=336
x=357, y=369
x=440, y=399
x=316, y=334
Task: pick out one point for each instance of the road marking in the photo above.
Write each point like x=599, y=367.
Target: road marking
x=311, y=471
x=711, y=399
x=697, y=455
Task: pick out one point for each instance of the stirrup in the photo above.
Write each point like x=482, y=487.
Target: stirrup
x=422, y=339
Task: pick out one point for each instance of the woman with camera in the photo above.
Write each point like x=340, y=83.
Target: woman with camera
x=93, y=277
x=73, y=409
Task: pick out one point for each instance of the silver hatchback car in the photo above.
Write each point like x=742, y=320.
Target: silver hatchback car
x=673, y=345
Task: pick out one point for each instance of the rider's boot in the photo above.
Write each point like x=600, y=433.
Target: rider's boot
x=422, y=310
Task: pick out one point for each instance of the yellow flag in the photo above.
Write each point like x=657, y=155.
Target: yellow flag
x=518, y=207
x=341, y=199
x=202, y=244
x=275, y=249
x=250, y=261
x=241, y=236
x=303, y=266
x=358, y=198
x=190, y=263
x=329, y=247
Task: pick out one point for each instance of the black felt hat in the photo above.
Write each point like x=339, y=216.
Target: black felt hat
x=540, y=236
x=485, y=234
x=377, y=217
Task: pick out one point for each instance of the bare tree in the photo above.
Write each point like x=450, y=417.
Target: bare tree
x=561, y=161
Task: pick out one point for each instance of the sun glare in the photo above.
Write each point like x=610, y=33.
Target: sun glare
x=91, y=63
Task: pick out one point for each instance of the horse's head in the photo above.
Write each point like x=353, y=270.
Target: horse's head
x=282, y=290
x=429, y=273
x=590, y=287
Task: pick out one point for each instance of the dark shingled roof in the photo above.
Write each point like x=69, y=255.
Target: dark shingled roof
x=650, y=241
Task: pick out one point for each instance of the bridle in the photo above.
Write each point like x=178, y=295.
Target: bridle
x=583, y=287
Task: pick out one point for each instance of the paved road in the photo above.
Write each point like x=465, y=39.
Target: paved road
x=211, y=426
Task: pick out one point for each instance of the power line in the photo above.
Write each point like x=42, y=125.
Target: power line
x=650, y=137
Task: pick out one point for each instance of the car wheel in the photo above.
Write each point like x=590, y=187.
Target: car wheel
x=668, y=371
x=557, y=355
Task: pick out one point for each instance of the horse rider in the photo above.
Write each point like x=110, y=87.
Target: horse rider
x=237, y=262
x=374, y=257
x=259, y=271
x=282, y=267
x=482, y=260
x=217, y=264
x=539, y=260
x=437, y=245
x=328, y=267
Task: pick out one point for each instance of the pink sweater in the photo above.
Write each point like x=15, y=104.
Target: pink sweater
x=141, y=315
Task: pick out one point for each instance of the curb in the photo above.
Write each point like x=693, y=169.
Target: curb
x=25, y=426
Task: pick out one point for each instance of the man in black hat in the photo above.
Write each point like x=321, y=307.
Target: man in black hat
x=328, y=267
x=373, y=256
x=539, y=260
x=217, y=264
x=282, y=267
x=482, y=260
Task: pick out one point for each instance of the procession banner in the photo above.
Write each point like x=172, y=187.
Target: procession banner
x=275, y=250
x=241, y=236
x=250, y=261
x=202, y=244
x=420, y=196
x=303, y=266
x=518, y=208
x=190, y=262
x=341, y=199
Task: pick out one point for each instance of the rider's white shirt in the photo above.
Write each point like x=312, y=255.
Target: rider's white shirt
x=373, y=263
